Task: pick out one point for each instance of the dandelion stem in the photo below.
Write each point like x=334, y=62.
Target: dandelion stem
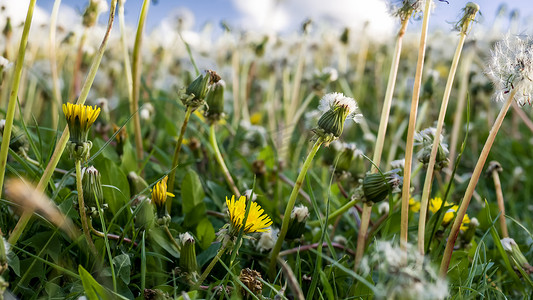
x=472, y=185
x=10, y=114
x=60, y=146
x=213, y=262
x=110, y=236
x=136, y=83
x=336, y=213
x=127, y=66
x=458, y=118
x=290, y=205
x=81, y=205
x=501, y=205
x=220, y=160
x=361, y=236
x=175, y=159
x=411, y=128
x=436, y=142
x=385, y=112
x=56, y=91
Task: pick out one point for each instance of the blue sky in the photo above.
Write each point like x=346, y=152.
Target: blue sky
x=233, y=12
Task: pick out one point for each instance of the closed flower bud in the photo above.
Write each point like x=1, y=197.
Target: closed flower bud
x=4, y=250
x=188, y=254
x=92, y=189
x=299, y=216
x=376, y=186
x=346, y=158
x=90, y=15
x=425, y=139
x=215, y=102
x=8, y=29
x=336, y=110
x=516, y=256
x=196, y=91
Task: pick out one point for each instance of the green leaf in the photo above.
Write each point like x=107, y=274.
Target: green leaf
x=122, y=263
x=205, y=233
x=13, y=262
x=93, y=290
x=129, y=161
x=190, y=295
x=159, y=237
x=192, y=192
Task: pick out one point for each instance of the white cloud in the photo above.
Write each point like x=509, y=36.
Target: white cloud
x=287, y=15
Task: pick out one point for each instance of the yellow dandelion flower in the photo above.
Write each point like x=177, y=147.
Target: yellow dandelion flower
x=414, y=205
x=450, y=214
x=256, y=221
x=466, y=223
x=160, y=194
x=256, y=118
x=80, y=118
x=436, y=203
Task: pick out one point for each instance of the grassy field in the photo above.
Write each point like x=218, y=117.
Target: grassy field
x=323, y=165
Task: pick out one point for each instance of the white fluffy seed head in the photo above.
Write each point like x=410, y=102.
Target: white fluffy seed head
x=511, y=67
x=333, y=100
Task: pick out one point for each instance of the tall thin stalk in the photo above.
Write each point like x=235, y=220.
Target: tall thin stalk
x=436, y=143
x=126, y=57
x=411, y=128
x=385, y=112
x=472, y=184
x=290, y=206
x=175, y=159
x=136, y=76
x=56, y=91
x=12, y=104
x=495, y=168
x=461, y=100
x=81, y=205
x=60, y=146
x=361, y=236
x=220, y=161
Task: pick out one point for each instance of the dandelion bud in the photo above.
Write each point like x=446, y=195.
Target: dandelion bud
x=159, y=199
x=267, y=240
x=346, y=157
x=512, y=249
x=344, y=38
x=336, y=109
x=196, y=91
x=80, y=118
x=215, y=102
x=252, y=280
x=92, y=189
x=376, y=186
x=299, y=216
x=188, y=254
x=425, y=138
x=5, y=65
x=8, y=29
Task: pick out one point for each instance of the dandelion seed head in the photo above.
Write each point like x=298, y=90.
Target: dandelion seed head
x=301, y=212
x=332, y=101
x=511, y=67
x=508, y=243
